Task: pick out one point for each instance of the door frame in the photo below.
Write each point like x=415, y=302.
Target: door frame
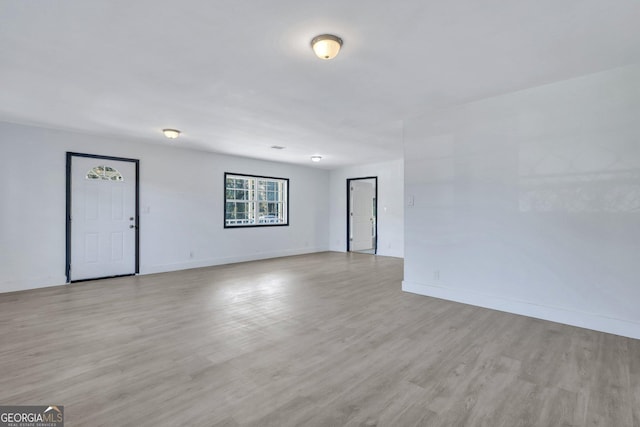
x=70, y=156
x=375, y=242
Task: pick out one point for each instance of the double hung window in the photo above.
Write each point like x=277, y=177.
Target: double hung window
x=255, y=201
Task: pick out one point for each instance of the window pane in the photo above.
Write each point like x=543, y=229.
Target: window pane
x=106, y=173
x=229, y=212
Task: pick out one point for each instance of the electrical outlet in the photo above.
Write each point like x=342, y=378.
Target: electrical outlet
x=191, y=254
x=436, y=275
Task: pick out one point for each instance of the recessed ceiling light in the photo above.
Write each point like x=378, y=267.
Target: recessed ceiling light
x=171, y=133
x=326, y=46
x=316, y=158
x=278, y=147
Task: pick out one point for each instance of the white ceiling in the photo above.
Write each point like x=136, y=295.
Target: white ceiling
x=239, y=76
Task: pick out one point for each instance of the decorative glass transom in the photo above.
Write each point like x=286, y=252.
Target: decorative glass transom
x=106, y=173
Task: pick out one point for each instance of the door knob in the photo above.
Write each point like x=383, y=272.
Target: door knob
x=133, y=226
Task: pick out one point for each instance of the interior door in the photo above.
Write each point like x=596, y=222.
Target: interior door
x=103, y=216
x=362, y=215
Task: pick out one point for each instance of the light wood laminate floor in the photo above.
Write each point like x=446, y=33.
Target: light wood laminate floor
x=326, y=339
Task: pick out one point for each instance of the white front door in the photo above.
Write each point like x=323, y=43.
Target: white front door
x=103, y=218
x=361, y=215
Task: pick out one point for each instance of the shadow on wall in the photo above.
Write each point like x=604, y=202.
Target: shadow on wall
x=580, y=179
x=611, y=191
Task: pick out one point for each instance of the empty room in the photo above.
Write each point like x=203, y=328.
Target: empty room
x=286, y=213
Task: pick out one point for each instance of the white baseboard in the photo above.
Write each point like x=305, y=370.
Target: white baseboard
x=45, y=282
x=163, y=268
x=592, y=321
x=31, y=283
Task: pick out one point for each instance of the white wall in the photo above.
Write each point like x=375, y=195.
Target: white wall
x=390, y=207
x=530, y=202
x=181, y=199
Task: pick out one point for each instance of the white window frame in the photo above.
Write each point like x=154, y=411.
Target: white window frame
x=256, y=197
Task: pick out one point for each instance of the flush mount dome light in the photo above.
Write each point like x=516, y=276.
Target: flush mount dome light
x=171, y=133
x=326, y=46
x=316, y=158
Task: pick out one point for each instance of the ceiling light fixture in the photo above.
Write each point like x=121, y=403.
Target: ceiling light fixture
x=316, y=158
x=278, y=147
x=326, y=46
x=171, y=133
